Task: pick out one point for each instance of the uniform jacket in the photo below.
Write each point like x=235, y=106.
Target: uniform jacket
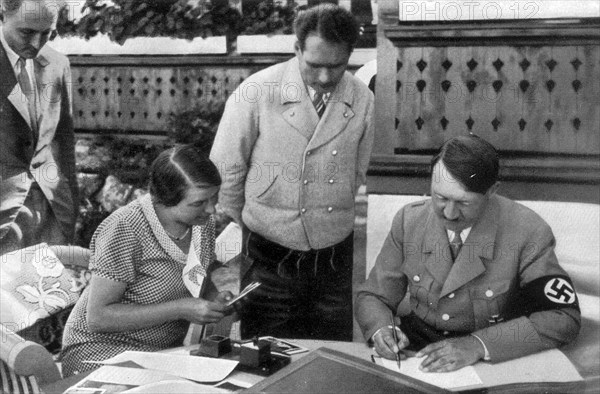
x=47, y=157
x=506, y=285
x=292, y=177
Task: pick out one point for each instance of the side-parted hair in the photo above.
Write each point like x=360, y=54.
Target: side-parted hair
x=330, y=22
x=177, y=169
x=471, y=160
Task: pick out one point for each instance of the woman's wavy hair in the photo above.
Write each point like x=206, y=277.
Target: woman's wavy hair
x=175, y=170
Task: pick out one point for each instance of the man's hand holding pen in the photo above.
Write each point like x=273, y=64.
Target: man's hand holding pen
x=386, y=346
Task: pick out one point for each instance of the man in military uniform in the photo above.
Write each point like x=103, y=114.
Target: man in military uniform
x=481, y=272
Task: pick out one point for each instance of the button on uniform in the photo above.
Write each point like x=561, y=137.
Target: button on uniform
x=416, y=278
x=303, y=210
x=305, y=181
x=489, y=293
x=451, y=295
x=334, y=152
x=331, y=181
x=330, y=209
x=445, y=317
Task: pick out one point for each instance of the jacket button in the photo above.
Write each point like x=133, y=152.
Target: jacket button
x=345, y=114
x=303, y=210
x=331, y=181
x=489, y=293
x=451, y=295
x=445, y=317
x=308, y=153
x=417, y=278
x=305, y=181
x=330, y=209
x=334, y=152
x=446, y=333
x=292, y=113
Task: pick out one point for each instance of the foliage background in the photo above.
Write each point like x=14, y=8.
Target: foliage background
x=122, y=19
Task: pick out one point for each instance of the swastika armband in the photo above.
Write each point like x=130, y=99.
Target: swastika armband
x=546, y=293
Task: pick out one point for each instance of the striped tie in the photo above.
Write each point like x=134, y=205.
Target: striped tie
x=319, y=103
x=28, y=91
x=455, y=245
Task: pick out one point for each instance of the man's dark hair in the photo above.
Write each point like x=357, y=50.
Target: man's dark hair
x=330, y=22
x=177, y=169
x=10, y=5
x=471, y=160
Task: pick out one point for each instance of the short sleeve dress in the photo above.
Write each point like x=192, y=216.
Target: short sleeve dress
x=131, y=246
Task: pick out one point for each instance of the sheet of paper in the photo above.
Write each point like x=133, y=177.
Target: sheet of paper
x=464, y=377
x=200, y=369
x=129, y=376
x=176, y=387
x=533, y=368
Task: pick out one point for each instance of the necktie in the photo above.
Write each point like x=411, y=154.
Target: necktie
x=455, y=245
x=28, y=91
x=319, y=103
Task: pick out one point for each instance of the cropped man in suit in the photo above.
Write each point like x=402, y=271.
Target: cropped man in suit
x=480, y=271
x=38, y=192
x=293, y=147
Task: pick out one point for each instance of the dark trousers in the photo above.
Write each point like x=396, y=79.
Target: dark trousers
x=303, y=294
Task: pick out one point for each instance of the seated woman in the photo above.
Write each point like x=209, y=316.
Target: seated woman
x=149, y=263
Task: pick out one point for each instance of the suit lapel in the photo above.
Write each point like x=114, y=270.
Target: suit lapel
x=298, y=110
x=435, y=244
x=477, y=247
x=11, y=89
x=337, y=113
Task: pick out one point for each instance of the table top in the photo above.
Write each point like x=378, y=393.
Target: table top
x=356, y=349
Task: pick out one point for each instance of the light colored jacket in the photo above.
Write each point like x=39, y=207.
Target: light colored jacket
x=291, y=177
x=50, y=160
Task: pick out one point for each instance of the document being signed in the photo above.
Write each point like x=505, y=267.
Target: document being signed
x=464, y=377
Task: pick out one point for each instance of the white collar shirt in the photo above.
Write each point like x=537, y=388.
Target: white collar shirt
x=13, y=58
x=463, y=234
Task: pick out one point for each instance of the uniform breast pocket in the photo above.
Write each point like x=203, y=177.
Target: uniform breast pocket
x=420, y=285
x=489, y=300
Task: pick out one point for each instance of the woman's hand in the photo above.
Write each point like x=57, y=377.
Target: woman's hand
x=201, y=311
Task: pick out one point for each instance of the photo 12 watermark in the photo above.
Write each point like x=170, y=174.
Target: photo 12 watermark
x=457, y=11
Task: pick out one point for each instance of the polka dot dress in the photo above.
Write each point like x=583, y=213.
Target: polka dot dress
x=131, y=247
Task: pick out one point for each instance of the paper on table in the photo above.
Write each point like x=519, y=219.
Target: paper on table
x=176, y=386
x=200, y=369
x=464, y=377
x=110, y=374
x=532, y=368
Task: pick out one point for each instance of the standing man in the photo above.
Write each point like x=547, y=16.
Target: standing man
x=38, y=189
x=480, y=270
x=293, y=147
